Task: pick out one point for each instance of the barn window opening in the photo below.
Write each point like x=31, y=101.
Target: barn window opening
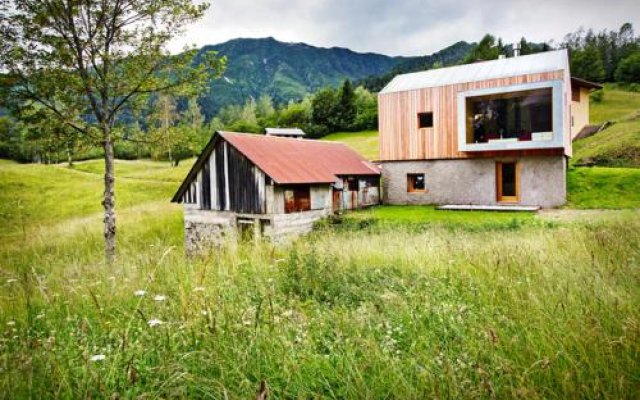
x=415, y=183
x=353, y=185
x=425, y=120
x=297, y=199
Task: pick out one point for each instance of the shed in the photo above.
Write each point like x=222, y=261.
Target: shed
x=270, y=186
x=285, y=132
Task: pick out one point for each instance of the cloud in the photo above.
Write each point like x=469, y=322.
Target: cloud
x=403, y=27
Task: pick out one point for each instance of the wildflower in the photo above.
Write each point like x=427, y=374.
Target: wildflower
x=198, y=289
x=11, y=323
x=98, y=357
x=154, y=322
x=140, y=293
x=204, y=312
x=12, y=280
x=160, y=297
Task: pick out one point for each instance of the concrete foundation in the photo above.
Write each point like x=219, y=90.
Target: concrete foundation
x=473, y=181
x=206, y=229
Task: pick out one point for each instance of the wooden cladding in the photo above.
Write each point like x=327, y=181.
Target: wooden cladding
x=236, y=183
x=401, y=138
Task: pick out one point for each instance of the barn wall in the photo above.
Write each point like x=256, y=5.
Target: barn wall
x=400, y=138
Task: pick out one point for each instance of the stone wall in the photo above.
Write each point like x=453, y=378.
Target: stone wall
x=473, y=181
x=206, y=229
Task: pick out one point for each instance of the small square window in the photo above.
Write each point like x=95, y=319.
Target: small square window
x=425, y=120
x=415, y=183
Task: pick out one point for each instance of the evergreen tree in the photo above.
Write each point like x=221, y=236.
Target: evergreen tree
x=629, y=69
x=346, y=108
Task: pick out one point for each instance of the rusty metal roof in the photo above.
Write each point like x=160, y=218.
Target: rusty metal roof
x=289, y=161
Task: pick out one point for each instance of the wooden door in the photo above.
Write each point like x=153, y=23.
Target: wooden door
x=508, y=182
x=336, y=200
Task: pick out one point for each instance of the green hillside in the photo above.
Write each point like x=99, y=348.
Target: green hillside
x=619, y=144
x=365, y=142
x=285, y=71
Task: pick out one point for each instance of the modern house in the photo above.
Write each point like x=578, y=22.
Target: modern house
x=270, y=186
x=296, y=133
x=489, y=133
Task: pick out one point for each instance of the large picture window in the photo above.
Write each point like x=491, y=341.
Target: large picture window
x=518, y=116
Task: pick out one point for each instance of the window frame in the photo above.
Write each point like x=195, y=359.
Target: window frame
x=425, y=113
x=411, y=182
x=300, y=203
x=500, y=198
x=558, y=105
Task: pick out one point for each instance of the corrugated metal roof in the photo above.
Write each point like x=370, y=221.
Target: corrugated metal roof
x=289, y=161
x=514, y=66
x=285, y=131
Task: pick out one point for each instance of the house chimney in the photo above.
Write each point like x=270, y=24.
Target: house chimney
x=516, y=49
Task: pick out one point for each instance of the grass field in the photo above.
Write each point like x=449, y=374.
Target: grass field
x=364, y=142
x=392, y=302
x=618, y=145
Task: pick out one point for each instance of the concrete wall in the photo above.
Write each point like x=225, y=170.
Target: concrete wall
x=205, y=229
x=473, y=181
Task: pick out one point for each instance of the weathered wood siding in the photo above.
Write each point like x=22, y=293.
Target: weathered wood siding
x=228, y=181
x=401, y=139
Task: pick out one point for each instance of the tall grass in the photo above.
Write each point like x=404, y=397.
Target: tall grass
x=389, y=303
x=531, y=312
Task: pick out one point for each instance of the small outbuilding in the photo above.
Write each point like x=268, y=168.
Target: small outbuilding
x=295, y=133
x=269, y=186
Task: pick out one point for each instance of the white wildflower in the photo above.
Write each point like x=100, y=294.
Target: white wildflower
x=11, y=323
x=154, y=322
x=140, y=293
x=204, y=312
x=98, y=357
x=198, y=289
x=160, y=297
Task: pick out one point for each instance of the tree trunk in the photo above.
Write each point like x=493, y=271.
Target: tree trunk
x=108, y=201
x=69, y=157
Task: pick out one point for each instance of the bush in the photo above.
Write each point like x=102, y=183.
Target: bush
x=597, y=96
x=629, y=69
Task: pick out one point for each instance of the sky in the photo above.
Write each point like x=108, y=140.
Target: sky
x=404, y=27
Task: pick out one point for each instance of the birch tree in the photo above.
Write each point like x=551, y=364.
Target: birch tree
x=88, y=61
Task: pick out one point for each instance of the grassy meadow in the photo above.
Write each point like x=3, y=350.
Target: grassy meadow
x=619, y=144
x=390, y=302
x=364, y=142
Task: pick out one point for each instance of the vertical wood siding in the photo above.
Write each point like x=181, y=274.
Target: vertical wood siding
x=400, y=137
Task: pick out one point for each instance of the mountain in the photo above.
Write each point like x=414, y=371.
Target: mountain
x=286, y=71
x=451, y=55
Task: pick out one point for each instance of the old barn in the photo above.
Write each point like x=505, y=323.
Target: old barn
x=270, y=186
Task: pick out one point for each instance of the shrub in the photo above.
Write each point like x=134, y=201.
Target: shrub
x=629, y=69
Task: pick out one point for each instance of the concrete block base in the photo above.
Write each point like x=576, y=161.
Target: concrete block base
x=473, y=181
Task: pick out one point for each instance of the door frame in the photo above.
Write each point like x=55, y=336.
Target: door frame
x=507, y=199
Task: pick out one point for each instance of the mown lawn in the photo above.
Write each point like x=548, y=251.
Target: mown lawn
x=364, y=142
x=397, y=302
x=610, y=188
x=616, y=104
x=619, y=144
